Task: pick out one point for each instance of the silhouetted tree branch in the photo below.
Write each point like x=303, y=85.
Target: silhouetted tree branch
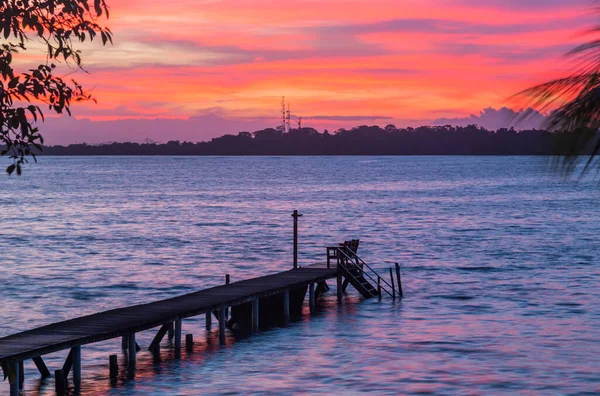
x=58, y=24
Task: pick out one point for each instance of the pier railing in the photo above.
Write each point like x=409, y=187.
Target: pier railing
x=347, y=257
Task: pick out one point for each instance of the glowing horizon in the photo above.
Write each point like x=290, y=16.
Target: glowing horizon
x=380, y=60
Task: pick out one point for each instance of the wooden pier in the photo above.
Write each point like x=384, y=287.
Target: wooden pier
x=246, y=305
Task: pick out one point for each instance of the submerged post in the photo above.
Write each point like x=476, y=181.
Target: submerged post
x=379, y=287
x=15, y=379
x=255, y=324
x=131, y=349
x=60, y=382
x=286, y=307
x=189, y=342
x=295, y=215
x=339, y=286
x=178, y=338
x=222, y=325
x=399, y=280
x=208, y=317
x=113, y=366
x=77, y=365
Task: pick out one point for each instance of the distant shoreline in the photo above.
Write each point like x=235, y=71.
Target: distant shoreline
x=361, y=141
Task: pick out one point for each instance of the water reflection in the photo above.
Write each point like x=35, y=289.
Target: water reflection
x=499, y=269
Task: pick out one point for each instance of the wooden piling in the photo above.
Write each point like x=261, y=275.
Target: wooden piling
x=286, y=307
x=379, y=287
x=171, y=331
x=21, y=374
x=311, y=297
x=41, y=366
x=393, y=288
x=113, y=366
x=131, y=349
x=339, y=287
x=208, y=317
x=227, y=281
x=255, y=312
x=399, y=280
x=124, y=343
x=76, y=365
x=222, y=325
x=14, y=380
x=189, y=342
x=178, y=338
x=60, y=382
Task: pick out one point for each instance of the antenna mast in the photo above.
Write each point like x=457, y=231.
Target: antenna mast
x=283, y=129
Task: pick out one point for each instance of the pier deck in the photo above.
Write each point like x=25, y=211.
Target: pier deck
x=124, y=321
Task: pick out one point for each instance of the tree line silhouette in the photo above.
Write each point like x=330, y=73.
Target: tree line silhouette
x=362, y=140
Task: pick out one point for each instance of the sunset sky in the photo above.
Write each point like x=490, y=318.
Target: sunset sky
x=223, y=65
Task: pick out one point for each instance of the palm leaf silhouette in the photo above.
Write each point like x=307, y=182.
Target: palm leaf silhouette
x=574, y=106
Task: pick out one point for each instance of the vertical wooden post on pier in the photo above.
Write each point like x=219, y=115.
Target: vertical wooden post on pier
x=399, y=280
x=171, y=333
x=286, y=307
x=178, y=338
x=21, y=374
x=339, y=286
x=295, y=215
x=255, y=324
x=14, y=380
x=189, y=342
x=124, y=343
x=227, y=281
x=393, y=288
x=379, y=287
x=311, y=297
x=222, y=325
x=113, y=366
x=60, y=383
x=131, y=349
x=208, y=317
x=76, y=365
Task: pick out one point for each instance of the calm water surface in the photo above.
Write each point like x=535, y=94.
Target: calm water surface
x=499, y=258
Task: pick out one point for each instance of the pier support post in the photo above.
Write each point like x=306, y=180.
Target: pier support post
x=208, y=320
x=339, y=287
x=222, y=324
x=399, y=280
x=14, y=380
x=60, y=383
x=178, y=338
x=311, y=297
x=189, y=342
x=393, y=287
x=41, y=366
x=295, y=215
x=76, y=365
x=21, y=374
x=379, y=287
x=255, y=313
x=286, y=307
x=227, y=281
x=113, y=366
x=124, y=343
x=171, y=331
x=131, y=349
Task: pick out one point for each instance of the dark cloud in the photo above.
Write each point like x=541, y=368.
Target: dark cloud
x=493, y=119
